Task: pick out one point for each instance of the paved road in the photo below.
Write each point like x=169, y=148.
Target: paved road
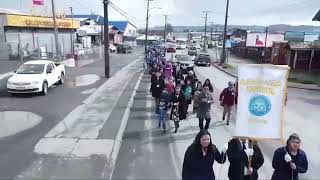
x=148, y=153
x=21, y=131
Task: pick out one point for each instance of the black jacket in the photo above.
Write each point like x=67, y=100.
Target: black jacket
x=181, y=100
x=282, y=169
x=199, y=167
x=238, y=160
x=157, y=86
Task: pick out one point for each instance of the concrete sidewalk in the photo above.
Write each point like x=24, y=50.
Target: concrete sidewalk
x=87, y=141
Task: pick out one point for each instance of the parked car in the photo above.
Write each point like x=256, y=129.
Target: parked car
x=36, y=76
x=192, y=51
x=186, y=62
x=171, y=49
x=181, y=46
x=198, y=46
x=203, y=59
x=112, y=48
x=124, y=48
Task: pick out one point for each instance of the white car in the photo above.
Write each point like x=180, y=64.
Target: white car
x=36, y=76
x=112, y=48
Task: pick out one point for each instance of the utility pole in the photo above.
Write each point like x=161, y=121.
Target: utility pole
x=147, y=24
x=223, y=56
x=72, y=33
x=56, y=38
x=106, y=39
x=265, y=45
x=205, y=31
x=211, y=31
x=165, y=28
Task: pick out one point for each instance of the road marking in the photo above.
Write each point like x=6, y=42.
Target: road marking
x=85, y=121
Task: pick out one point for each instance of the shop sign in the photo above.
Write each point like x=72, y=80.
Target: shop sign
x=40, y=22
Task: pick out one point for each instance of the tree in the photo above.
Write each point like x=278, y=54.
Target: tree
x=169, y=28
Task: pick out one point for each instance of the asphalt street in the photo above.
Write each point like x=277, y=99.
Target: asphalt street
x=148, y=153
x=25, y=119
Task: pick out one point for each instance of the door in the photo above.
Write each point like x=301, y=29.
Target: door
x=50, y=75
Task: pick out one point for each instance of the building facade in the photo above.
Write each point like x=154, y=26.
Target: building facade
x=26, y=35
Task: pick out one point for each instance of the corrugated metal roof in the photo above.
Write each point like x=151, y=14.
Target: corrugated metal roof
x=302, y=45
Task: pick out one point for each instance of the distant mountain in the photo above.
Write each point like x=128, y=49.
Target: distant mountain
x=278, y=28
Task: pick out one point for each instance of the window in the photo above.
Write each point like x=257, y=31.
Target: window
x=303, y=55
x=49, y=68
x=129, y=31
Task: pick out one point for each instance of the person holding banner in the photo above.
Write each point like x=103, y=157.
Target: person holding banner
x=245, y=159
x=290, y=160
x=199, y=158
x=227, y=97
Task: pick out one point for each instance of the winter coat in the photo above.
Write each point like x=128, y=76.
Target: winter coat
x=282, y=169
x=227, y=97
x=180, y=99
x=187, y=92
x=168, y=71
x=193, y=79
x=157, y=86
x=170, y=87
x=196, y=99
x=239, y=160
x=204, y=107
x=164, y=102
x=199, y=167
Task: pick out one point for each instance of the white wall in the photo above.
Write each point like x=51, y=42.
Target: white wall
x=130, y=30
x=252, y=38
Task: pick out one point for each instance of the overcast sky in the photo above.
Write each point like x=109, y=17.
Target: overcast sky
x=189, y=12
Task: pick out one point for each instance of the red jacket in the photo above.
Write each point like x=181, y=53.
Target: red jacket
x=227, y=97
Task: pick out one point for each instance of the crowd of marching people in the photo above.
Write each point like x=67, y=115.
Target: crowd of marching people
x=175, y=89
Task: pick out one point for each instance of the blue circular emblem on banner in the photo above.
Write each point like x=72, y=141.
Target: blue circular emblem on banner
x=259, y=105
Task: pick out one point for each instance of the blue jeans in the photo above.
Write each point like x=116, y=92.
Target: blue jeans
x=162, y=117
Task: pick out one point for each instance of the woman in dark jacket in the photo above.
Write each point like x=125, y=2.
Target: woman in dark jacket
x=199, y=158
x=157, y=86
x=238, y=155
x=177, y=99
x=208, y=83
x=289, y=161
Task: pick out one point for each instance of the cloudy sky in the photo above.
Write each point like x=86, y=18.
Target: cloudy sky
x=190, y=12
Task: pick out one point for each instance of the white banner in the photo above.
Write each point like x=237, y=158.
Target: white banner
x=261, y=101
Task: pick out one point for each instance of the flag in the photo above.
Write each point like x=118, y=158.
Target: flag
x=261, y=101
x=38, y=2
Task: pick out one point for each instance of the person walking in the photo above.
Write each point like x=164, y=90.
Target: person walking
x=178, y=100
x=199, y=158
x=192, y=78
x=238, y=153
x=204, y=109
x=170, y=86
x=227, y=101
x=164, y=105
x=290, y=160
x=157, y=86
x=187, y=92
x=208, y=83
x=196, y=94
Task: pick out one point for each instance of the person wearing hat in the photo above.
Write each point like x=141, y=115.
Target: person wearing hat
x=227, y=97
x=290, y=160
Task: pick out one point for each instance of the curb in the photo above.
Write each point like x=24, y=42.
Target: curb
x=118, y=141
x=289, y=86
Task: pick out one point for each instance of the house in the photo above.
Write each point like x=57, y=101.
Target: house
x=298, y=55
x=129, y=31
x=259, y=45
